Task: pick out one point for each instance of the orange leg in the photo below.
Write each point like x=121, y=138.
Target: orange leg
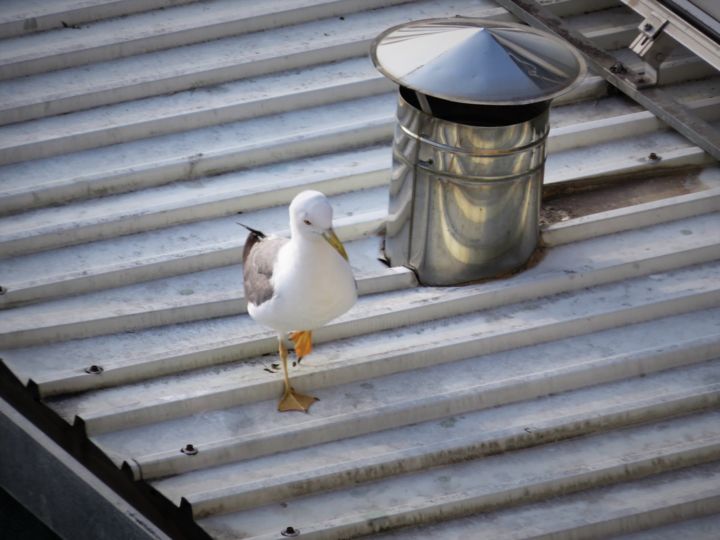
x=291, y=400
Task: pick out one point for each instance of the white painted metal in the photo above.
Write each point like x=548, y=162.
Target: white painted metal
x=119, y=248
x=195, y=108
x=224, y=438
x=197, y=153
x=265, y=480
x=601, y=513
x=214, y=62
x=606, y=129
x=624, y=157
x=180, y=249
x=663, y=248
x=702, y=528
x=26, y=16
x=82, y=222
x=637, y=216
x=147, y=354
x=198, y=200
x=54, y=94
x=191, y=247
x=596, y=27
x=201, y=295
x=163, y=29
x=548, y=276
x=407, y=441
x=461, y=488
x=214, y=293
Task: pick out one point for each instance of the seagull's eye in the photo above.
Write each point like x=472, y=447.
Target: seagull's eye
x=307, y=222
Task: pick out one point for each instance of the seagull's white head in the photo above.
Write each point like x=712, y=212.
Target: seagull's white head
x=311, y=217
x=310, y=213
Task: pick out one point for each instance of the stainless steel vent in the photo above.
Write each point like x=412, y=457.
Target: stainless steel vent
x=469, y=146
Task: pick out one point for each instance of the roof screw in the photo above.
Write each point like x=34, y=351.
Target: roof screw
x=3, y=290
x=647, y=27
x=290, y=532
x=653, y=157
x=618, y=67
x=94, y=370
x=189, y=450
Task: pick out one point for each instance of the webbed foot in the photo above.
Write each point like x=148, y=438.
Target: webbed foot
x=295, y=401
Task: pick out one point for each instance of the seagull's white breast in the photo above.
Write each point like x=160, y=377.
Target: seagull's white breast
x=313, y=284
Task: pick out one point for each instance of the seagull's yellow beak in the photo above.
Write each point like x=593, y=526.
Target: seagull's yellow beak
x=332, y=239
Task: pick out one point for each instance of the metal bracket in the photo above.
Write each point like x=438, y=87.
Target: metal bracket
x=653, y=45
x=656, y=100
x=679, y=29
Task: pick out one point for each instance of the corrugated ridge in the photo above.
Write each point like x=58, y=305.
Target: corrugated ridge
x=162, y=29
x=20, y=18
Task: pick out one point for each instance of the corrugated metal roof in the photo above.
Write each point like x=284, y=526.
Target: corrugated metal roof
x=578, y=397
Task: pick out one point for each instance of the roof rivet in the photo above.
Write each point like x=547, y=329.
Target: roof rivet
x=290, y=532
x=647, y=27
x=653, y=156
x=189, y=450
x=94, y=370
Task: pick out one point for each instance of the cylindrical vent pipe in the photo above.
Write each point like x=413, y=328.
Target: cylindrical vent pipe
x=469, y=147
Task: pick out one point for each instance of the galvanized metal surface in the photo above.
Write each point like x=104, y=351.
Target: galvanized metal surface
x=120, y=250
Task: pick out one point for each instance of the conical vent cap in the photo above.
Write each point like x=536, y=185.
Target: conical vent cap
x=478, y=61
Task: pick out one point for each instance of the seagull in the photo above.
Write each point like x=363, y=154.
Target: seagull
x=297, y=285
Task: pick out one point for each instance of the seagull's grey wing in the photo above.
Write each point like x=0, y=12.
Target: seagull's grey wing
x=259, y=258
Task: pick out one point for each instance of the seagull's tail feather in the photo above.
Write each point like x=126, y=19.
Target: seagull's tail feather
x=253, y=238
x=257, y=233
